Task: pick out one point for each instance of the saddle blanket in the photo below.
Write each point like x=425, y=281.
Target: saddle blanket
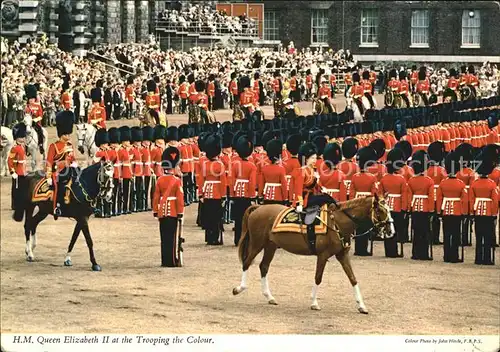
x=42, y=191
x=288, y=220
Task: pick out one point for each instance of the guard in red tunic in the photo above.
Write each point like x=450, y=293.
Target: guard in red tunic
x=211, y=92
x=414, y=78
x=348, y=166
x=212, y=189
x=367, y=88
x=484, y=199
x=438, y=173
x=243, y=182
x=97, y=114
x=378, y=169
x=331, y=179
x=137, y=187
x=153, y=101
x=114, y=144
x=247, y=101
x=373, y=78
x=423, y=85
x=148, y=166
x=396, y=188
x=125, y=157
x=183, y=93
x=404, y=88
x=452, y=85
x=294, y=91
x=272, y=181
x=66, y=99
x=34, y=109
x=421, y=204
x=347, y=82
x=467, y=175
x=363, y=184
x=186, y=163
x=471, y=80
x=309, y=84
x=168, y=207
x=393, y=84
x=101, y=140
x=233, y=90
x=357, y=92
x=16, y=162
x=333, y=83
x=59, y=157
x=452, y=204
x=292, y=163
x=130, y=96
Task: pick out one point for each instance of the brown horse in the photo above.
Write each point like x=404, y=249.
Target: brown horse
x=343, y=219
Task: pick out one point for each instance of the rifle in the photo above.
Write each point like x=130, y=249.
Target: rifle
x=180, y=241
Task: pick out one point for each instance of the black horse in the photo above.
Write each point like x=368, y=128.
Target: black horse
x=84, y=188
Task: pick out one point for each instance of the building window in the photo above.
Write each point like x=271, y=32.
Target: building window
x=271, y=31
x=319, y=27
x=420, y=28
x=369, y=27
x=471, y=28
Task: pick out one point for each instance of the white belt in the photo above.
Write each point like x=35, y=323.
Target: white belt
x=476, y=202
x=271, y=185
x=361, y=194
x=171, y=198
x=449, y=199
x=211, y=182
x=288, y=177
x=241, y=180
x=21, y=161
x=330, y=190
x=190, y=159
x=467, y=186
x=126, y=164
x=147, y=163
x=391, y=195
x=117, y=164
x=418, y=196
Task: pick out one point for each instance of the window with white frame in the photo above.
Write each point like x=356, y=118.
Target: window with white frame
x=420, y=28
x=271, y=31
x=471, y=28
x=369, y=27
x=319, y=27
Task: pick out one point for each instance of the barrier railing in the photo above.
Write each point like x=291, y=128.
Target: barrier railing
x=217, y=29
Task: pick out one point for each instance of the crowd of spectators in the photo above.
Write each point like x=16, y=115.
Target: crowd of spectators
x=205, y=19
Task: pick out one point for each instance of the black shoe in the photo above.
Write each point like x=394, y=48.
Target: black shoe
x=437, y=243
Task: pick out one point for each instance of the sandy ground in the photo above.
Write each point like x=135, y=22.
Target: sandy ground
x=133, y=294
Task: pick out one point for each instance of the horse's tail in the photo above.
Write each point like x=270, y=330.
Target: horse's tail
x=245, y=234
x=20, y=203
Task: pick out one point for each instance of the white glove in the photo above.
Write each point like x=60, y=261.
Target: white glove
x=49, y=181
x=299, y=208
x=74, y=164
x=14, y=176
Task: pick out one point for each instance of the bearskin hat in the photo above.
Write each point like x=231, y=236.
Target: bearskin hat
x=190, y=78
x=212, y=145
x=355, y=77
x=305, y=152
x=170, y=158
x=244, y=82
x=172, y=134
x=453, y=72
x=101, y=137
x=233, y=75
x=243, y=146
x=267, y=136
x=471, y=69
x=422, y=73
x=332, y=154
x=64, y=122
x=366, y=157
x=99, y=83
x=366, y=75
x=393, y=73
x=419, y=162
x=136, y=134
x=30, y=91
x=293, y=73
x=257, y=138
x=256, y=75
x=225, y=127
x=182, y=79
x=395, y=160
x=293, y=143
x=452, y=163
x=492, y=151
x=436, y=151
x=19, y=131
x=486, y=163
x=183, y=131
x=399, y=129
x=413, y=67
x=276, y=74
x=148, y=133
x=235, y=138
x=402, y=75
x=350, y=147
x=273, y=149
x=379, y=146
x=320, y=143
x=492, y=121
x=227, y=139
x=125, y=134
x=65, y=85
x=200, y=86
x=95, y=95
x=160, y=132
x=151, y=86
x=308, y=71
x=114, y=135
x=130, y=80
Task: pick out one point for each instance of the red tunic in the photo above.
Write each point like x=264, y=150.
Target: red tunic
x=146, y=161
x=397, y=191
x=357, y=91
x=137, y=161
x=367, y=87
x=484, y=197
x=467, y=175
x=125, y=156
x=113, y=157
x=404, y=88
x=452, y=197
x=438, y=174
x=378, y=170
x=59, y=156
x=304, y=185
x=309, y=81
x=332, y=182
x=272, y=183
x=452, y=83
x=348, y=79
x=363, y=184
x=324, y=92
x=183, y=90
x=243, y=181
x=291, y=165
x=156, y=153
x=130, y=93
x=66, y=101
x=17, y=160
x=421, y=194
x=423, y=87
x=211, y=89
x=394, y=85
x=97, y=116
x=214, y=180
x=153, y=101
x=36, y=112
x=233, y=87
x=102, y=154
x=168, y=199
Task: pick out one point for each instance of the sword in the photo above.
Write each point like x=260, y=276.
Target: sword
x=180, y=240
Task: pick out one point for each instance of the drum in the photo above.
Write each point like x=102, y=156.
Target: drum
x=417, y=99
x=194, y=113
x=389, y=97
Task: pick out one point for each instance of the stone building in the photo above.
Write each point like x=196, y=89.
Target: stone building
x=77, y=25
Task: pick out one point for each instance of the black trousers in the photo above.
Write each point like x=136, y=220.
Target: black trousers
x=211, y=218
x=451, y=233
x=435, y=229
x=146, y=198
x=421, y=236
x=138, y=194
x=116, y=204
x=361, y=244
x=183, y=106
x=126, y=195
x=485, y=240
x=425, y=99
x=239, y=207
x=210, y=103
x=130, y=109
x=467, y=231
x=169, y=242
x=370, y=99
x=406, y=100
x=187, y=184
x=391, y=244
x=109, y=109
x=18, y=186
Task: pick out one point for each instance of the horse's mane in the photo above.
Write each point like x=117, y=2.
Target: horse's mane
x=92, y=168
x=349, y=204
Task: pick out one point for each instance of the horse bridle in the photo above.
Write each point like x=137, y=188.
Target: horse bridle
x=82, y=140
x=104, y=184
